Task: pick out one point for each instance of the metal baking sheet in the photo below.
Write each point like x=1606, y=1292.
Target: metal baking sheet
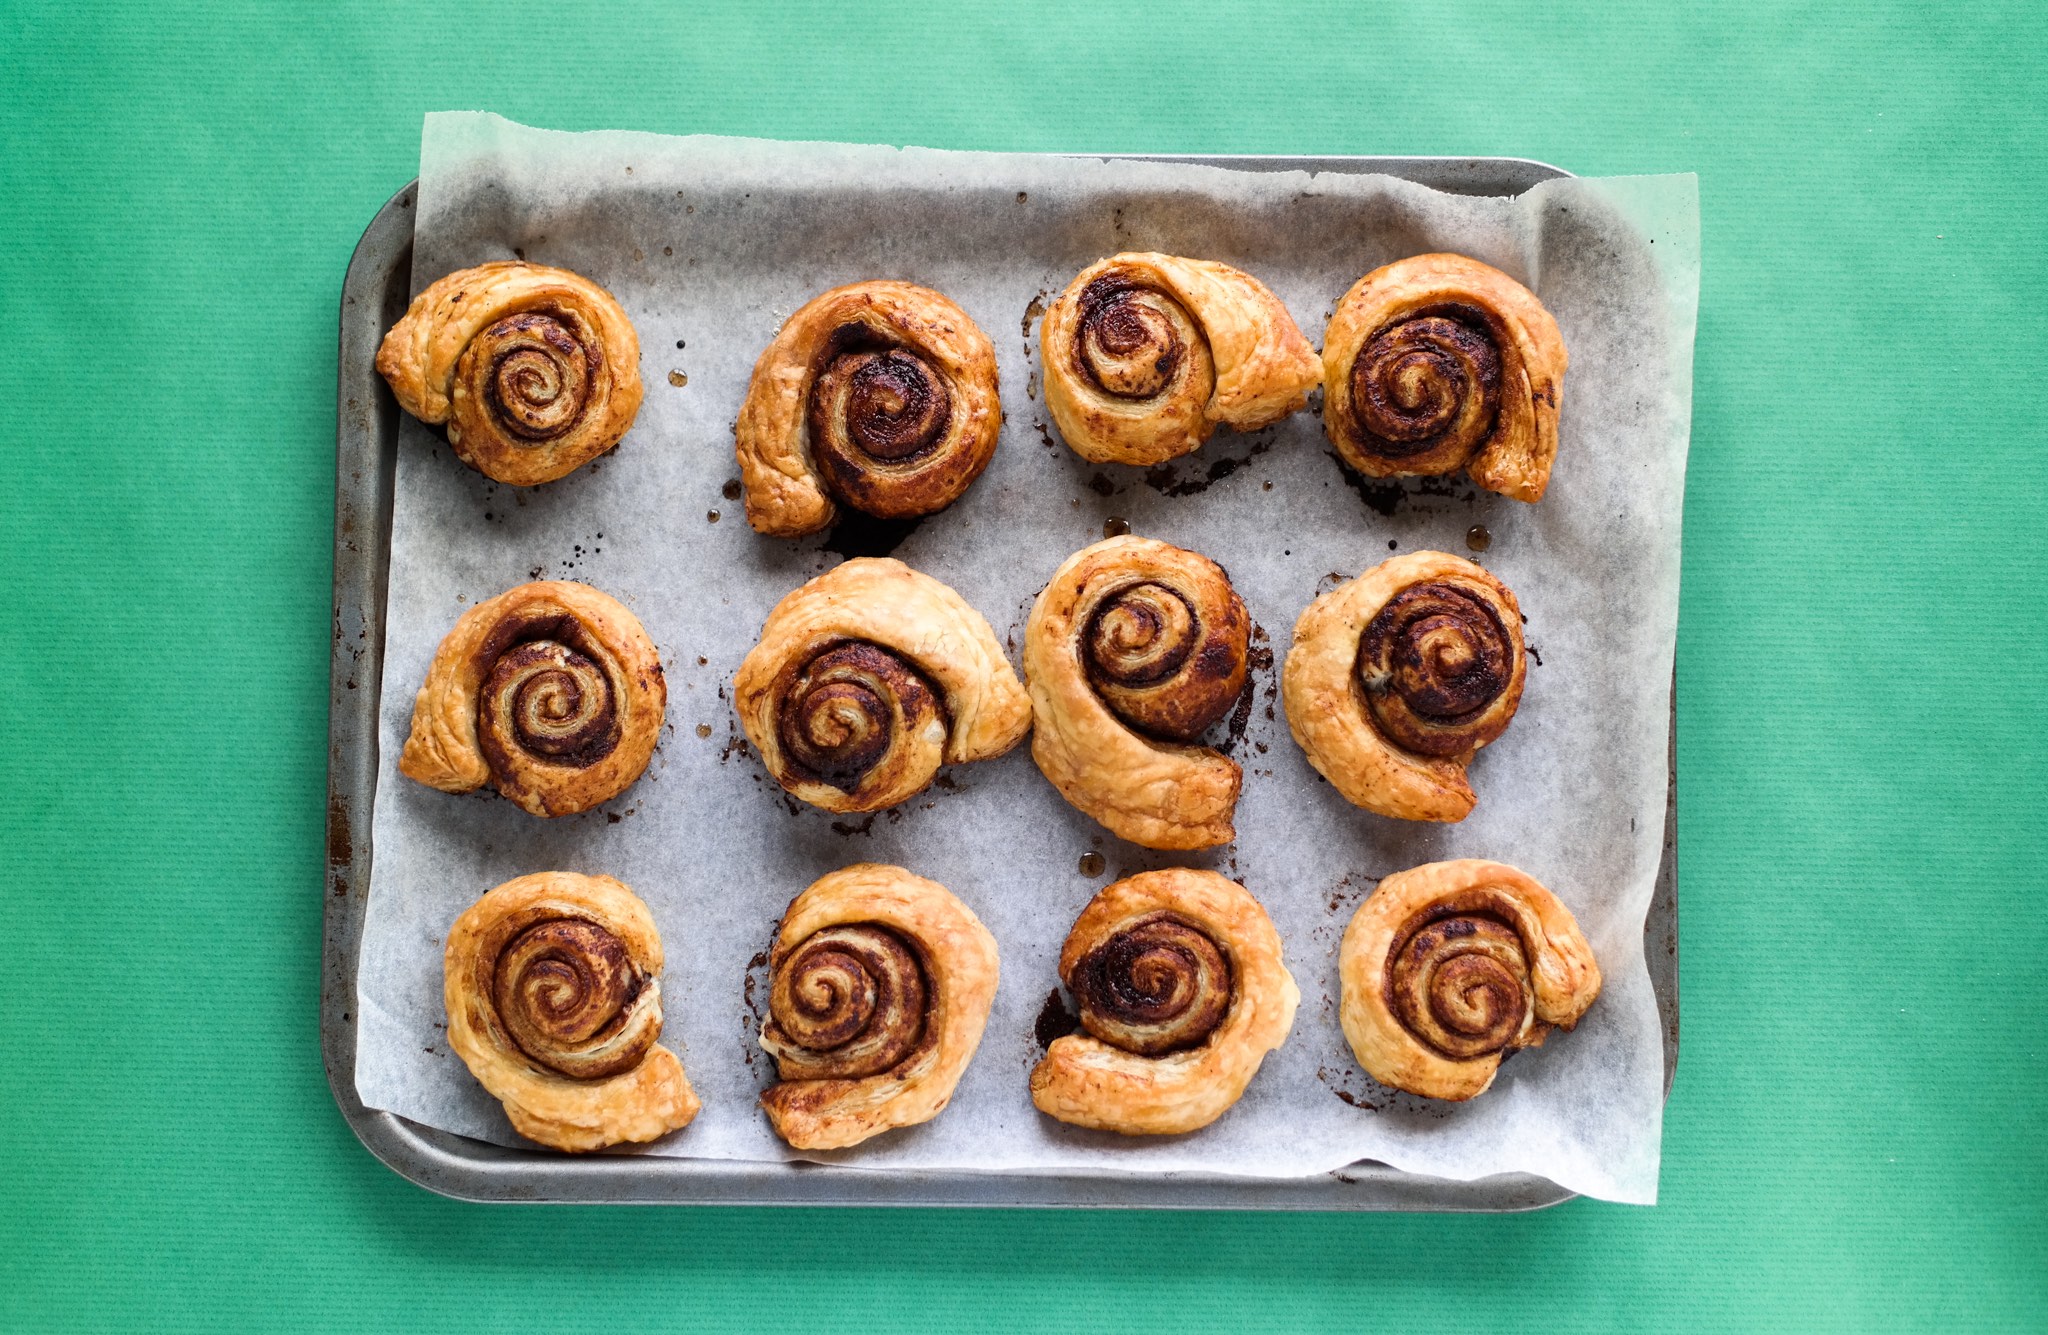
x=374, y=295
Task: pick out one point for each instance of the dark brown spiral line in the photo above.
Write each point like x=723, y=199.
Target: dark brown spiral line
x=846, y=708
x=890, y=406
x=1160, y=985
x=571, y=998
x=1157, y=666
x=1434, y=663
x=1429, y=382
x=1461, y=985
x=541, y=371
x=544, y=699
x=847, y=1003
x=1131, y=344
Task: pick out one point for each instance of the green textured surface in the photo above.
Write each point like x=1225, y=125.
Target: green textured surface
x=1855, y=1139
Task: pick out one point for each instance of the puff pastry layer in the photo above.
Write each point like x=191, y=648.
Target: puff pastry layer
x=1438, y=362
x=553, y=989
x=880, y=396
x=550, y=692
x=1449, y=966
x=882, y=983
x=870, y=677
x=1133, y=649
x=1146, y=354
x=1182, y=992
x=1397, y=678
x=536, y=371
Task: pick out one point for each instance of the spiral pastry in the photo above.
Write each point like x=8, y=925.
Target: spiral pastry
x=550, y=692
x=1182, y=992
x=880, y=396
x=1397, y=678
x=882, y=982
x=1436, y=363
x=535, y=370
x=553, y=988
x=870, y=677
x=1145, y=355
x=1450, y=966
x=1134, y=648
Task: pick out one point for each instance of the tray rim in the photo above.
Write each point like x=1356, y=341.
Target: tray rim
x=472, y=1170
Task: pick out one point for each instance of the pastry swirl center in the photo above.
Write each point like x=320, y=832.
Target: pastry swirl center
x=848, y=1002
x=1461, y=985
x=1157, y=986
x=1133, y=341
x=1427, y=383
x=1165, y=661
x=1432, y=663
x=1141, y=635
x=571, y=998
x=540, y=377
x=848, y=707
x=546, y=699
x=890, y=405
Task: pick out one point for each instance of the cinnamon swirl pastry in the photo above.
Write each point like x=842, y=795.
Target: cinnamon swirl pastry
x=1146, y=354
x=870, y=677
x=1135, y=648
x=1450, y=966
x=1182, y=992
x=1396, y=679
x=880, y=396
x=535, y=370
x=1436, y=363
x=553, y=988
x=882, y=984
x=550, y=692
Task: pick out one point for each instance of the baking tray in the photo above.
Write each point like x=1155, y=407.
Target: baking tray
x=374, y=295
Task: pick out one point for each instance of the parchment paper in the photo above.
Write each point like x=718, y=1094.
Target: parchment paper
x=710, y=243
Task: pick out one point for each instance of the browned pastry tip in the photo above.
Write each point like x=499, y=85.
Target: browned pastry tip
x=1397, y=678
x=1182, y=991
x=870, y=677
x=553, y=989
x=550, y=692
x=880, y=396
x=1438, y=362
x=1146, y=354
x=881, y=986
x=1133, y=649
x=536, y=371
x=1450, y=966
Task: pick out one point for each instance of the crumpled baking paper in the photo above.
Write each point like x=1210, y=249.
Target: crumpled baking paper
x=710, y=243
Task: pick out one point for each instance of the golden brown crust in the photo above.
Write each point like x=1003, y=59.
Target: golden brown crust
x=956, y=961
x=535, y=370
x=1089, y=1082
x=1438, y=362
x=1478, y=955
x=1142, y=785
x=550, y=692
x=867, y=679
x=1146, y=354
x=878, y=395
x=615, y=993
x=1461, y=640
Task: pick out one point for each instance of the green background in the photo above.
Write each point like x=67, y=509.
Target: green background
x=1856, y=1134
